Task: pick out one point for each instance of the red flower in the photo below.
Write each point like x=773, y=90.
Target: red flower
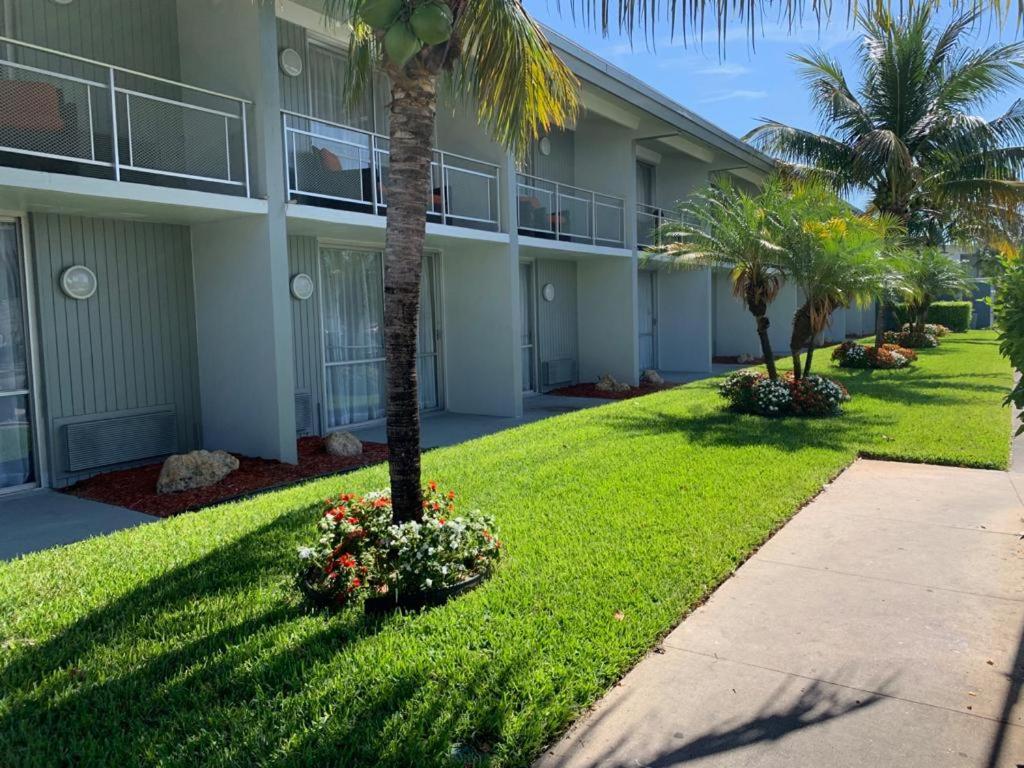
x=432, y=485
x=356, y=582
x=451, y=494
x=347, y=560
x=440, y=521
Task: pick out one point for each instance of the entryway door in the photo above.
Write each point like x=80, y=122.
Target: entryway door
x=352, y=282
x=17, y=460
x=648, y=316
x=526, y=323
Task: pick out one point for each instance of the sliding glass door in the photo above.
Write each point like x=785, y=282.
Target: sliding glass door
x=526, y=327
x=17, y=464
x=647, y=293
x=352, y=282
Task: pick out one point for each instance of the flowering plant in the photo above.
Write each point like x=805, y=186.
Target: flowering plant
x=932, y=329
x=361, y=551
x=849, y=354
x=911, y=339
x=751, y=391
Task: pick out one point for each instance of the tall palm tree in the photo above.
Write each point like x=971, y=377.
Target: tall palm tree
x=931, y=274
x=907, y=135
x=831, y=254
x=494, y=55
x=723, y=226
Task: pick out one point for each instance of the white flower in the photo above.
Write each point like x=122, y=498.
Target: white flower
x=305, y=553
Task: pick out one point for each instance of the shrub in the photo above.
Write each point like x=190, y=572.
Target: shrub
x=938, y=331
x=955, y=315
x=750, y=391
x=910, y=339
x=849, y=354
x=361, y=551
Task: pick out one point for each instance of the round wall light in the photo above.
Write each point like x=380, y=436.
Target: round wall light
x=290, y=62
x=78, y=282
x=545, y=146
x=302, y=286
x=548, y=292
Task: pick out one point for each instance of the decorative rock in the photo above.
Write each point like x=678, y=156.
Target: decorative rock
x=197, y=469
x=744, y=358
x=607, y=383
x=343, y=444
x=651, y=376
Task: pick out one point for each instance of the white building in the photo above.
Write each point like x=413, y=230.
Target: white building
x=194, y=157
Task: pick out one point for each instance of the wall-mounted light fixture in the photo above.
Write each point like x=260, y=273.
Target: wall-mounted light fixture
x=290, y=62
x=302, y=286
x=545, y=146
x=78, y=282
x=548, y=292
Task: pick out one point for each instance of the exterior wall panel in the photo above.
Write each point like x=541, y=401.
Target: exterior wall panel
x=557, y=331
x=303, y=256
x=130, y=348
x=294, y=90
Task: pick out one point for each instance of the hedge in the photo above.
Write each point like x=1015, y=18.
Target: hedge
x=955, y=315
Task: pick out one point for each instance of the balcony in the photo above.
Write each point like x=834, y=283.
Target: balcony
x=648, y=219
x=61, y=113
x=560, y=212
x=336, y=166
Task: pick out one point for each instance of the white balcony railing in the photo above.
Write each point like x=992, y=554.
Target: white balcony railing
x=648, y=219
x=558, y=211
x=335, y=165
x=68, y=114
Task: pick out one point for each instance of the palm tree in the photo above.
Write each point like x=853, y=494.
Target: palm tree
x=930, y=275
x=726, y=227
x=831, y=254
x=493, y=54
x=907, y=135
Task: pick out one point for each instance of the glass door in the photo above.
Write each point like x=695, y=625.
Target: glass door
x=526, y=324
x=17, y=463
x=648, y=316
x=352, y=282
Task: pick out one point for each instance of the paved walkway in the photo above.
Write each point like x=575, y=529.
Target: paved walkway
x=881, y=627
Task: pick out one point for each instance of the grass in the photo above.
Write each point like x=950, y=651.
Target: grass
x=182, y=643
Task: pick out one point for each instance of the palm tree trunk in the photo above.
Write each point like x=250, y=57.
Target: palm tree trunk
x=801, y=332
x=766, y=345
x=879, y=323
x=413, y=109
x=810, y=355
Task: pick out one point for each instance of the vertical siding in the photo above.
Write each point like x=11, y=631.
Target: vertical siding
x=557, y=334
x=130, y=347
x=294, y=90
x=558, y=166
x=128, y=33
x=303, y=256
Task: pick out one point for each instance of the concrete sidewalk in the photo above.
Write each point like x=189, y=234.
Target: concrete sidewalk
x=881, y=627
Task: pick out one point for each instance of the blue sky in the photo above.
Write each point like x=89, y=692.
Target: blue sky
x=743, y=85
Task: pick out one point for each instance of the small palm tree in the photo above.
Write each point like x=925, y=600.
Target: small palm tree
x=831, y=254
x=931, y=274
x=725, y=227
x=908, y=135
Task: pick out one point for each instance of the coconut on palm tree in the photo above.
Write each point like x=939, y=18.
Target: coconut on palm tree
x=908, y=135
x=722, y=226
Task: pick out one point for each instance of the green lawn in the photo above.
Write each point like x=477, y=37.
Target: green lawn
x=182, y=643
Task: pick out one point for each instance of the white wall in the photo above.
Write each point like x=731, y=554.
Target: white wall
x=836, y=330
x=605, y=163
x=684, y=320
x=735, y=331
x=243, y=314
x=608, y=331
x=481, y=330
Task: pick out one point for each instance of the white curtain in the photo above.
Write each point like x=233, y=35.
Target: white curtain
x=353, y=318
x=526, y=324
x=327, y=90
x=15, y=425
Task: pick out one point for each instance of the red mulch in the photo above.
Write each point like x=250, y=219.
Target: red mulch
x=590, y=389
x=136, y=488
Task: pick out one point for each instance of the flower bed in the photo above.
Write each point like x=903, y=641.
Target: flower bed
x=849, y=354
x=933, y=329
x=135, y=488
x=361, y=552
x=590, y=389
x=750, y=391
x=911, y=339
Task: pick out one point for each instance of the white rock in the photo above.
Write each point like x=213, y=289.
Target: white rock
x=343, y=444
x=197, y=469
x=607, y=383
x=651, y=376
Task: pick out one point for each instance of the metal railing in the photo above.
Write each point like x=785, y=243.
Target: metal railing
x=549, y=209
x=648, y=219
x=332, y=164
x=65, y=113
